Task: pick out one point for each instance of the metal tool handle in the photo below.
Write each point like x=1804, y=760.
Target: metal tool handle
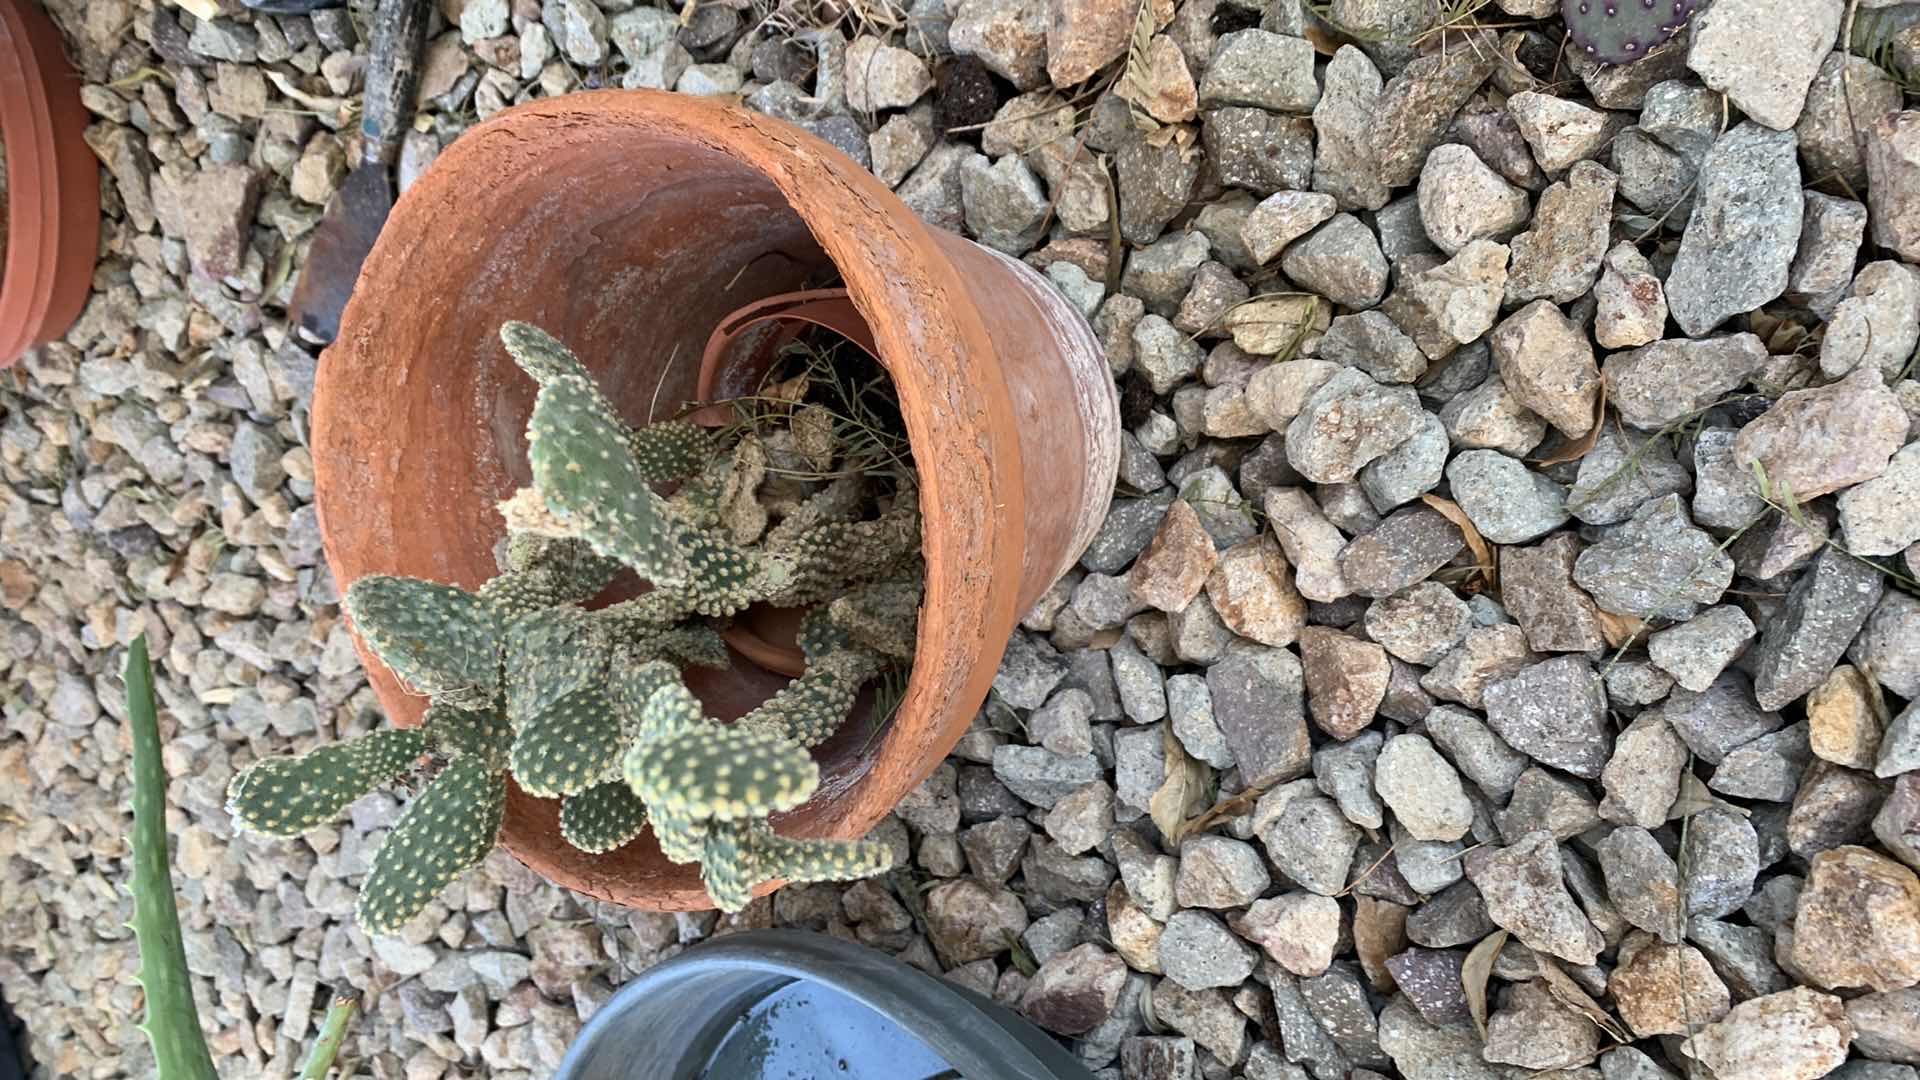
x=393, y=72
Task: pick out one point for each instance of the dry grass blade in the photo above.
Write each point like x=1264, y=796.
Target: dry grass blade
x=1563, y=987
x=1584, y=445
x=1183, y=792
x=1136, y=78
x=1368, y=872
x=1475, y=973
x=1694, y=797
x=1482, y=551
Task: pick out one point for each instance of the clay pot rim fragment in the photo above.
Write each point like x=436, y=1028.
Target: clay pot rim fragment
x=564, y=187
x=53, y=184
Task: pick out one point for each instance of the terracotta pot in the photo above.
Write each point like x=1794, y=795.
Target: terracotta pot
x=629, y=224
x=53, y=184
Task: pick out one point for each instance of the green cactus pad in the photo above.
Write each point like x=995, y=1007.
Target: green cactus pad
x=286, y=796
x=695, y=644
x=632, y=686
x=551, y=654
x=671, y=450
x=438, y=639
x=484, y=735
x=881, y=617
x=727, y=865
x=587, y=476
x=602, y=817
x=681, y=839
x=544, y=572
x=570, y=747
x=726, y=578
x=828, y=559
x=444, y=831
x=808, y=710
x=540, y=354
x=726, y=773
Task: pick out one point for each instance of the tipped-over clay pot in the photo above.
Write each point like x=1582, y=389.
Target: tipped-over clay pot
x=629, y=224
x=53, y=184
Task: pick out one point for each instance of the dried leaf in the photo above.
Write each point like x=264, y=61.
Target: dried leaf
x=1275, y=324
x=1563, y=987
x=1583, y=446
x=1474, y=974
x=790, y=391
x=1619, y=629
x=1136, y=79
x=1694, y=797
x=1482, y=551
x=1379, y=931
x=1230, y=807
x=1182, y=794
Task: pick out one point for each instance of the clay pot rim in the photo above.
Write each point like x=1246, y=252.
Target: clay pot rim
x=53, y=184
x=975, y=561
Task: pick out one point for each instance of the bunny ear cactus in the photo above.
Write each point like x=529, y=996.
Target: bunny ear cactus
x=1622, y=31
x=588, y=706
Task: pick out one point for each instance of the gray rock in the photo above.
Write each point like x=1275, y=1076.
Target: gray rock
x=1507, y=502
x=1311, y=543
x=1881, y=516
x=1198, y=951
x=1430, y=979
x=1407, y=547
x=1768, y=767
x=1797, y=1033
x=1427, y=866
x=1029, y=671
x=1261, y=151
x=1697, y=651
x=579, y=29
x=1347, y=423
x=1140, y=767
x=1848, y=94
x=1008, y=36
x=1129, y=527
x=1075, y=991
x=1538, y=590
x=1741, y=955
x=1462, y=200
x=1661, y=383
x=1298, y=930
x=1877, y=323
x=880, y=76
x=1621, y=474
x=1826, y=608
x=1452, y=304
x=1155, y=179
x=1167, y=356
x=1344, y=770
x=1158, y=1057
x=1417, y=104
x=1487, y=653
x=1346, y=161
x=1005, y=207
x=1886, y=1026
x=1642, y=778
x=1631, y=304
x=1740, y=242
x=994, y=848
x=1338, y=1000
x=1725, y=494
x=1722, y=855
x=1419, y=625
x=1722, y=717
x=1893, y=181
x=1763, y=54
x=1457, y=916
x=1219, y=872
x=1657, y=179
x=1340, y=260
x=1259, y=703
x=1423, y=790
x=1547, y=363
x=1424, y=1050
x=1900, y=748
x=1524, y=893
x=1833, y=806
x=1346, y=679
x=1312, y=844
x=1205, y=1016
x=1831, y=230
x=1409, y=470
x=1190, y=711
x=1147, y=874
x=1534, y=1029
x=1081, y=819
x=1162, y=272
x=1262, y=70
x=1042, y=777
x=1484, y=757
x=1897, y=825
x=1558, y=257
x=1063, y=724
x=1643, y=881
x=1561, y=132
x=1282, y=218
x=1657, y=565
x=1491, y=417
x=1554, y=712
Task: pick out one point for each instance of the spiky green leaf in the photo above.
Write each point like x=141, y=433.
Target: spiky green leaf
x=585, y=472
x=286, y=796
x=446, y=830
x=782, y=858
x=571, y=746
x=540, y=354
x=727, y=773
x=438, y=639
x=602, y=817
x=173, y=1021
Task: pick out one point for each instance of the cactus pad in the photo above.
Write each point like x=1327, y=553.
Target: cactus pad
x=483, y=735
x=438, y=639
x=550, y=655
x=736, y=856
x=880, y=617
x=585, y=471
x=808, y=710
x=602, y=817
x=286, y=796
x=1622, y=31
x=570, y=747
x=444, y=831
x=545, y=571
x=671, y=450
x=725, y=773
